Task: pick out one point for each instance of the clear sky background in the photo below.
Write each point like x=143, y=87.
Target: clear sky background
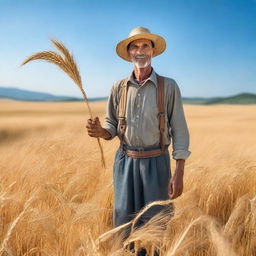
x=211, y=44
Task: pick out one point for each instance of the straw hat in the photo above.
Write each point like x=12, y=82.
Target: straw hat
x=140, y=33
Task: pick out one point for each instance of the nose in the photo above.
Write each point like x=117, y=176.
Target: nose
x=140, y=50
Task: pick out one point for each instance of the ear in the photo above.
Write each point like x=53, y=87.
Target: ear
x=128, y=53
x=153, y=51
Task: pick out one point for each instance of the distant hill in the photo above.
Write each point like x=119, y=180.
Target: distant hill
x=242, y=98
x=196, y=100
x=26, y=95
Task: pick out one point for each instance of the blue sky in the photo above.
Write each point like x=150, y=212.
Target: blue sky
x=211, y=44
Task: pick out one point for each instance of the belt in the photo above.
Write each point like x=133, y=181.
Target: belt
x=141, y=153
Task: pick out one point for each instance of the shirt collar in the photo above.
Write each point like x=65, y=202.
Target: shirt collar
x=152, y=78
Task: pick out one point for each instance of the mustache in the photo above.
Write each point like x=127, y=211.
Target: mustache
x=141, y=56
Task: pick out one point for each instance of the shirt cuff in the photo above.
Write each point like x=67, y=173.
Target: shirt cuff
x=111, y=130
x=181, y=154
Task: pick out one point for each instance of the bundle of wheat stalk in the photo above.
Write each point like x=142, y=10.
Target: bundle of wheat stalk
x=65, y=61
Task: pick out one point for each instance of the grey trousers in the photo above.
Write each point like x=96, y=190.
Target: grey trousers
x=138, y=182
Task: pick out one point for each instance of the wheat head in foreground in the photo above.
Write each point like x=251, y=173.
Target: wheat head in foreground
x=65, y=62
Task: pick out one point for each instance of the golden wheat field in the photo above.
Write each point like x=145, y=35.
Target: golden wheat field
x=56, y=199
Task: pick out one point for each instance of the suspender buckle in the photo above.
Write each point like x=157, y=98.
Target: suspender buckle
x=160, y=114
x=122, y=123
x=161, y=117
x=122, y=119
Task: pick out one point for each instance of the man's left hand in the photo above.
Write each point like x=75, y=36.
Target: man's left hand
x=176, y=182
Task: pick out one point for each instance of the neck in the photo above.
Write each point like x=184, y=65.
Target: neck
x=142, y=73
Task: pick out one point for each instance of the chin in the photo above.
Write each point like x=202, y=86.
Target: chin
x=142, y=65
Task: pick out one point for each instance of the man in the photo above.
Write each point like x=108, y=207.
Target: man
x=146, y=123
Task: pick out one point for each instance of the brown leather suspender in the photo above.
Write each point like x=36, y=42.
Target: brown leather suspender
x=161, y=115
x=161, y=112
x=122, y=110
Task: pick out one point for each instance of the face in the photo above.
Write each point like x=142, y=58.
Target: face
x=141, y=52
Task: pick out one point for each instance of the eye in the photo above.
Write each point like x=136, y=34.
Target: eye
x=132, y=47
x=145, y=45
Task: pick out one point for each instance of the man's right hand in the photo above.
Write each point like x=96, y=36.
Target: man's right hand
x=95, y=129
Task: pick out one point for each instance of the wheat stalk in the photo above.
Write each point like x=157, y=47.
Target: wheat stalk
x=107, y=235
x=14, y=223
x=65, y=61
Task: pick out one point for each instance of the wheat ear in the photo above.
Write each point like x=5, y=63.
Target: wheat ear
x=65, y=61
x=107, y=235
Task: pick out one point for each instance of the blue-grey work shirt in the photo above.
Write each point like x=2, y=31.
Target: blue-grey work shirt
x=141, y=114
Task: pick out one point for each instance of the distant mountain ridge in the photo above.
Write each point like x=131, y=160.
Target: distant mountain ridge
x=241, y=98
x=27, y=95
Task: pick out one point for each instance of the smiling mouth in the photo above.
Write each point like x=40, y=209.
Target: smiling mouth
x=140, y=57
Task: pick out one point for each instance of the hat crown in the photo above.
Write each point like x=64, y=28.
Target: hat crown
x=139, y=30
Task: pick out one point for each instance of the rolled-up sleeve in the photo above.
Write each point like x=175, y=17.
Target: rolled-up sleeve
x=111, y=120
x=178, y=126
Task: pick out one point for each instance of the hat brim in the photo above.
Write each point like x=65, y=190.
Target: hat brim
x=159, y=44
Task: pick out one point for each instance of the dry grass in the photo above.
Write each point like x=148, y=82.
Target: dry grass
x=56, y=199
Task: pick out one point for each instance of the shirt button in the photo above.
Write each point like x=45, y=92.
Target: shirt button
x=138, y=106
x=138, y=94
x=137, y=116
